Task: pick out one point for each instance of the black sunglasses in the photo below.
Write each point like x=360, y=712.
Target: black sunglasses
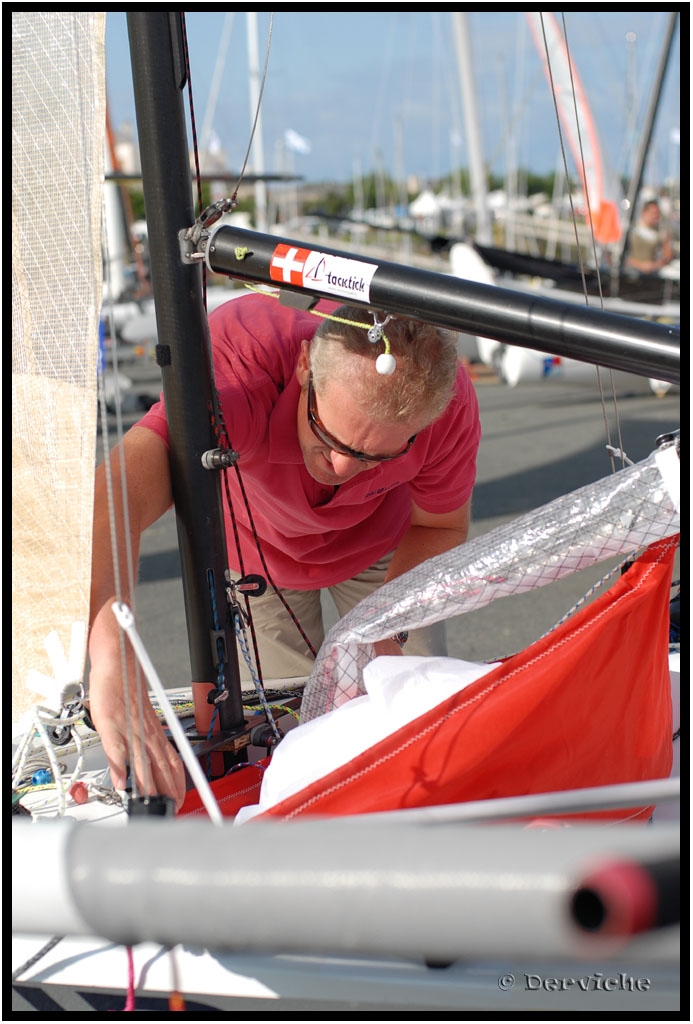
x=333, y=444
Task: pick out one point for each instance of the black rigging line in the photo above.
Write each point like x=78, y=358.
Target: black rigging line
x=221, y=431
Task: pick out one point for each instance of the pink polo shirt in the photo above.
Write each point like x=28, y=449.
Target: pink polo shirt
x=313, y=537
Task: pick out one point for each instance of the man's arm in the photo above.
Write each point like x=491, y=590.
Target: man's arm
x=428, y=535
x=647, y=266
x=667, y=250
x=118, y=702
x=651, y=266
x=644, y=266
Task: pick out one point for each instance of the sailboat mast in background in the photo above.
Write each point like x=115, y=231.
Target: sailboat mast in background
x=256, y=122
x=638, y=172
x=600, y=187
x=477, y=172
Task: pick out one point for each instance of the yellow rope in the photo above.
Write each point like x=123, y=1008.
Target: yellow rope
x=325, y=316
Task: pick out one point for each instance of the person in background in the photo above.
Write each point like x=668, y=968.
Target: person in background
x=357, y=434
x=650, y=247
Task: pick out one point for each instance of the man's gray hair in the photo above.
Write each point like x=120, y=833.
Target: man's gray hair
x=426, y=361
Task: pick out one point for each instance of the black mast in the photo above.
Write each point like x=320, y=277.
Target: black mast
x=184, y=355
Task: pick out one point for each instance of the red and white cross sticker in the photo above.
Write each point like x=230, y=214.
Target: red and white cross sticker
x=287, y=264
x=322, y=272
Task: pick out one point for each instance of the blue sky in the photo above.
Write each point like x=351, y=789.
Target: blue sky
x=381, y=89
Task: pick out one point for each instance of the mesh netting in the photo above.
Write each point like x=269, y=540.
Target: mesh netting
x=617, y=515
x=58, y=130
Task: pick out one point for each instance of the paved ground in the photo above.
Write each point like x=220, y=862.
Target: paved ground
x=540, y=440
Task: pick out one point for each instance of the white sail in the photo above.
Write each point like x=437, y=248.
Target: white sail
x=58, y=130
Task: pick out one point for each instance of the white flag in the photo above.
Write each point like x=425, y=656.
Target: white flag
x=296, y=142
x=213, y=143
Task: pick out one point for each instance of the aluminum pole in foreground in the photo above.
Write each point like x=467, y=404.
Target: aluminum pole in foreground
x=320, y=886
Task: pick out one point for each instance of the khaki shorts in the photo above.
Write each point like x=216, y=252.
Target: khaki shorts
x=284, y=653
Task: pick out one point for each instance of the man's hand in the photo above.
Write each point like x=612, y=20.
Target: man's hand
x=387, y=646
x=134, y=735
x=129, y=728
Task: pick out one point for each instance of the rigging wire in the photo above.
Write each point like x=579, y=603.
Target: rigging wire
x=17, y=973
x=610, y=447
x=259, y=104
x=124, y=520
x=265, y=567
x=193, y=128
